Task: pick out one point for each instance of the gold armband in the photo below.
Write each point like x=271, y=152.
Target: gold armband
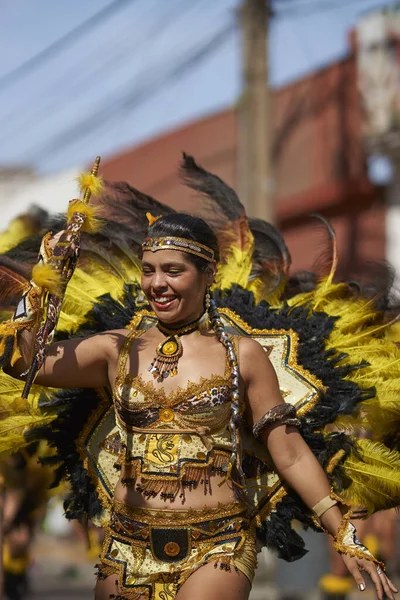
x=282, y=414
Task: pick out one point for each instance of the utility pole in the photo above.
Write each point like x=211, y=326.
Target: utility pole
x=255, y=169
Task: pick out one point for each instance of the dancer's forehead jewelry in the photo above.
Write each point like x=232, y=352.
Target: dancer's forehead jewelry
x=176, y=243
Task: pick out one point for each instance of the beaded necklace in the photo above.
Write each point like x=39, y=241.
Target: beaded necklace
x=169, y=351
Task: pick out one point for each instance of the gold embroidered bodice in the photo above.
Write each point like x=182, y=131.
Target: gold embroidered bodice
x=171, y=441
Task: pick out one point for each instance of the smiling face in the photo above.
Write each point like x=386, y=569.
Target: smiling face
x=174, y=287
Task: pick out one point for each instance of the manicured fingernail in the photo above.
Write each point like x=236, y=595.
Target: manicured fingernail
x=362, y=587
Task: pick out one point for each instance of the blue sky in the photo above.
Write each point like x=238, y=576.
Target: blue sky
x=143, y=70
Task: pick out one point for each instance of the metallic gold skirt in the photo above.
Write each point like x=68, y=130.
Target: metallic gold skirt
x=153, y=552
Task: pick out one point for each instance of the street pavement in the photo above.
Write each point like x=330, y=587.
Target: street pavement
x=61, y=570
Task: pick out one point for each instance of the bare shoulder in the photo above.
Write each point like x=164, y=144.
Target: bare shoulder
x=250, y=349
x=111, y=341
x=252, y=358
x=115, y=338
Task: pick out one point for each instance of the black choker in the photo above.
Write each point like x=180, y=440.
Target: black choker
x=169, y=351
x=186, y=329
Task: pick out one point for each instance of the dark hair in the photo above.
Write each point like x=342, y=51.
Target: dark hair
x=190, y=228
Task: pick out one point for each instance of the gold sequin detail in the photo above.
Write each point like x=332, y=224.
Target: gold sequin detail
x=172, y=549
x=166, y=415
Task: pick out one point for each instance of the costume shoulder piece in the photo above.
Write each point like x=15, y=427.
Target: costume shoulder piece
x=332, y=348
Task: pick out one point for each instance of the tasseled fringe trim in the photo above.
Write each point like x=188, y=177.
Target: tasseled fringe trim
x=219, y=464
x=225, y=563
x=104, y=571
x=168, y=488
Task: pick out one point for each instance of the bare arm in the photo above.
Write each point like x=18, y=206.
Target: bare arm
x=293, y=459
x=73, y=363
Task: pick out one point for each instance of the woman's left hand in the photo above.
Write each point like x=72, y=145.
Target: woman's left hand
x=381, y=581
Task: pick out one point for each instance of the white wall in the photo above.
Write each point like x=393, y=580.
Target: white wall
x=52, y=193
x=393, y=222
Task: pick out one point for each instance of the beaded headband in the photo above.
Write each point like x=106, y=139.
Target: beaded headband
x=177, y=243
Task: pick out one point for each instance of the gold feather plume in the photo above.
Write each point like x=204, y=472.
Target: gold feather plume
x=88, y=284
x=13, y=425
x=375, y=476
x=18, y=230
x=362, y=338
x=91, y=182
x=46, y=276
x=237, y=265
x=93, y=222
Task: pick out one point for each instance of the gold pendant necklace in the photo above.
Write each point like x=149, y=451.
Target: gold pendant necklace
x=169, y=351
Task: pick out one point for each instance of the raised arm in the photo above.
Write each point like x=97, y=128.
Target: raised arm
x=293, y=459
x=85, y=362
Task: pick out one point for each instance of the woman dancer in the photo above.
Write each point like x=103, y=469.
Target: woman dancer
x=180, y=390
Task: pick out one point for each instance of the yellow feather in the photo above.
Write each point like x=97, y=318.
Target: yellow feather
x=262, y=291
x=14, y=425
x=18, y=230
x=13, y=429
x=360, y=336
x=92, y=223
x=237, y=266
x=90, y=282
x=87, y=181
x=45, y=276
x=375, y=477
x=394, y=332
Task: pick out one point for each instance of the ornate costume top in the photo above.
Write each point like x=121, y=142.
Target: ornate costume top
x=171, y=442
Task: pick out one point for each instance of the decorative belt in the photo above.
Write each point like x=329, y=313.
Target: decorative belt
x=170, y=535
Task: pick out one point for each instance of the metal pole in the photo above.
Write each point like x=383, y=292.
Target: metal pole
x=255, y=169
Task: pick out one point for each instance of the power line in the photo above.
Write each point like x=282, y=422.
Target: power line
x=312, y=7
x=95, y=74
x=64, y=41
x=133, y=99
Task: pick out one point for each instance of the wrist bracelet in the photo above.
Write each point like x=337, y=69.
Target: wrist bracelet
x=346, y=542
x=323, y=505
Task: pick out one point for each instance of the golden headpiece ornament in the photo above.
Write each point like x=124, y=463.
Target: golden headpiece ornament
x=152, y=219
x=175, y=243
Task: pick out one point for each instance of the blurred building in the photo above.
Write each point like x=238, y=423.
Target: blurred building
x=325, y=126
x=319, y=158
x=376, y=42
